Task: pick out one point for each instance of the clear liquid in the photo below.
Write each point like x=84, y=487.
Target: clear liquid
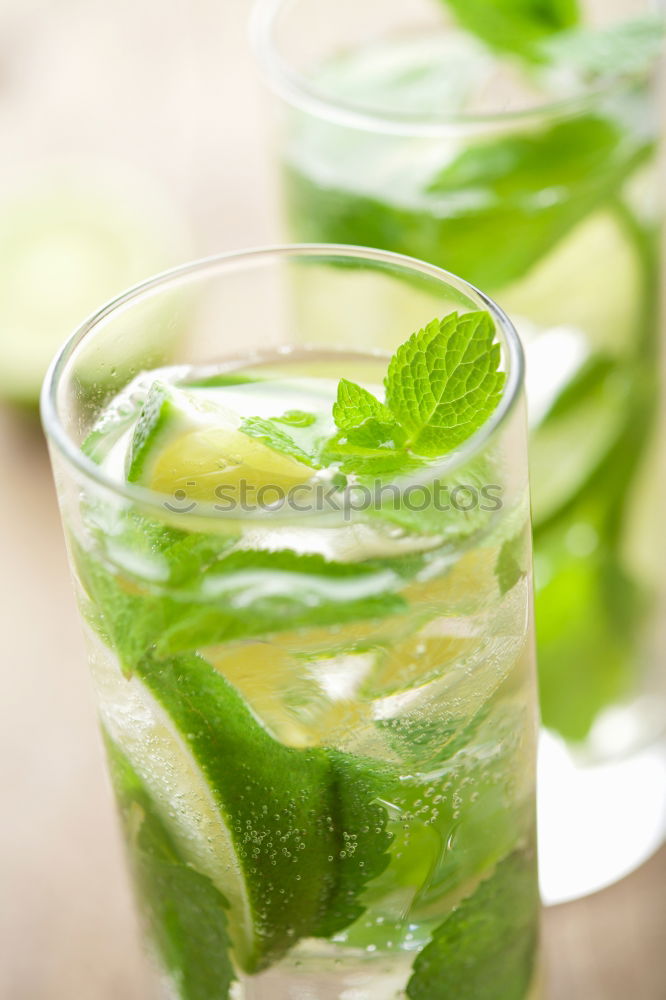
x=426, y=712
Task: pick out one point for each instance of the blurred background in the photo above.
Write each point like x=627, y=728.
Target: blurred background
x=134, y=136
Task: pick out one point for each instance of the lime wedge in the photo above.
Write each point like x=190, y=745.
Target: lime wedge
x=188, y=444
x=246, y=812
x=605, y=305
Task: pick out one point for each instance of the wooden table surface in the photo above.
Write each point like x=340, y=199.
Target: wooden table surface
x=67, y=930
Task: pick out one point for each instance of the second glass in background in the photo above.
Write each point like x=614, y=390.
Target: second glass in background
x=402, y=132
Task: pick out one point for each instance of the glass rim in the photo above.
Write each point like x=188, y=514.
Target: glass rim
x=294, y=88
x=71, y=451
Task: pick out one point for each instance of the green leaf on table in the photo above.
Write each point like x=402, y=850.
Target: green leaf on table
x=486, y=948
x=186, y=915
x=516, y=26
x=443, y=384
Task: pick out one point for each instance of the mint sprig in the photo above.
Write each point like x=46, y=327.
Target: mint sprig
x=442, y=385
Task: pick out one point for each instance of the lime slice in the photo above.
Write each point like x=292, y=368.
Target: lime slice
x=68, y=242
x=243, y=810
x=578, y=434
x=604, y=305
x=188, y=444
x=184, y=912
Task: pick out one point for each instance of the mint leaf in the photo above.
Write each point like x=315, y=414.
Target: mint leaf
x=516, y=26
x=362, y=837
x=590, y=614
x=486, y=948
x=512, y=563
x=570, y=155
x=630, y=48
x=248, y=594
x=356, y=406
x=186, y=915
x=490, y=190
x=368, y=462
x=370, y=439
x=269, y=432
x=443, y=384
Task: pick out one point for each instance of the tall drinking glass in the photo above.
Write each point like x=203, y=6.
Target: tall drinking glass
x=318, y=702
x=536, y=180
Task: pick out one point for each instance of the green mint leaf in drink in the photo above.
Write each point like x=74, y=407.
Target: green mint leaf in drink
x=513, y=562
x=485, y=948
x=444, y=383
x=297, y=418
x=355, y=407
x=582, y=161
x=186, y=914
x=272, y=432
x=567, y=154
x=441, y=386
x=516, y=26
x=306, y=591
x=629, y=48
x=363, y=841
x=492, y=188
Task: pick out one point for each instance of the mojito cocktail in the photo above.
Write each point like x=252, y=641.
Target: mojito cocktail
x=305, y=581
x=517, y=147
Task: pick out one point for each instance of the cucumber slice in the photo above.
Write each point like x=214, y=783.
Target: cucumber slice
x=68, y=243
